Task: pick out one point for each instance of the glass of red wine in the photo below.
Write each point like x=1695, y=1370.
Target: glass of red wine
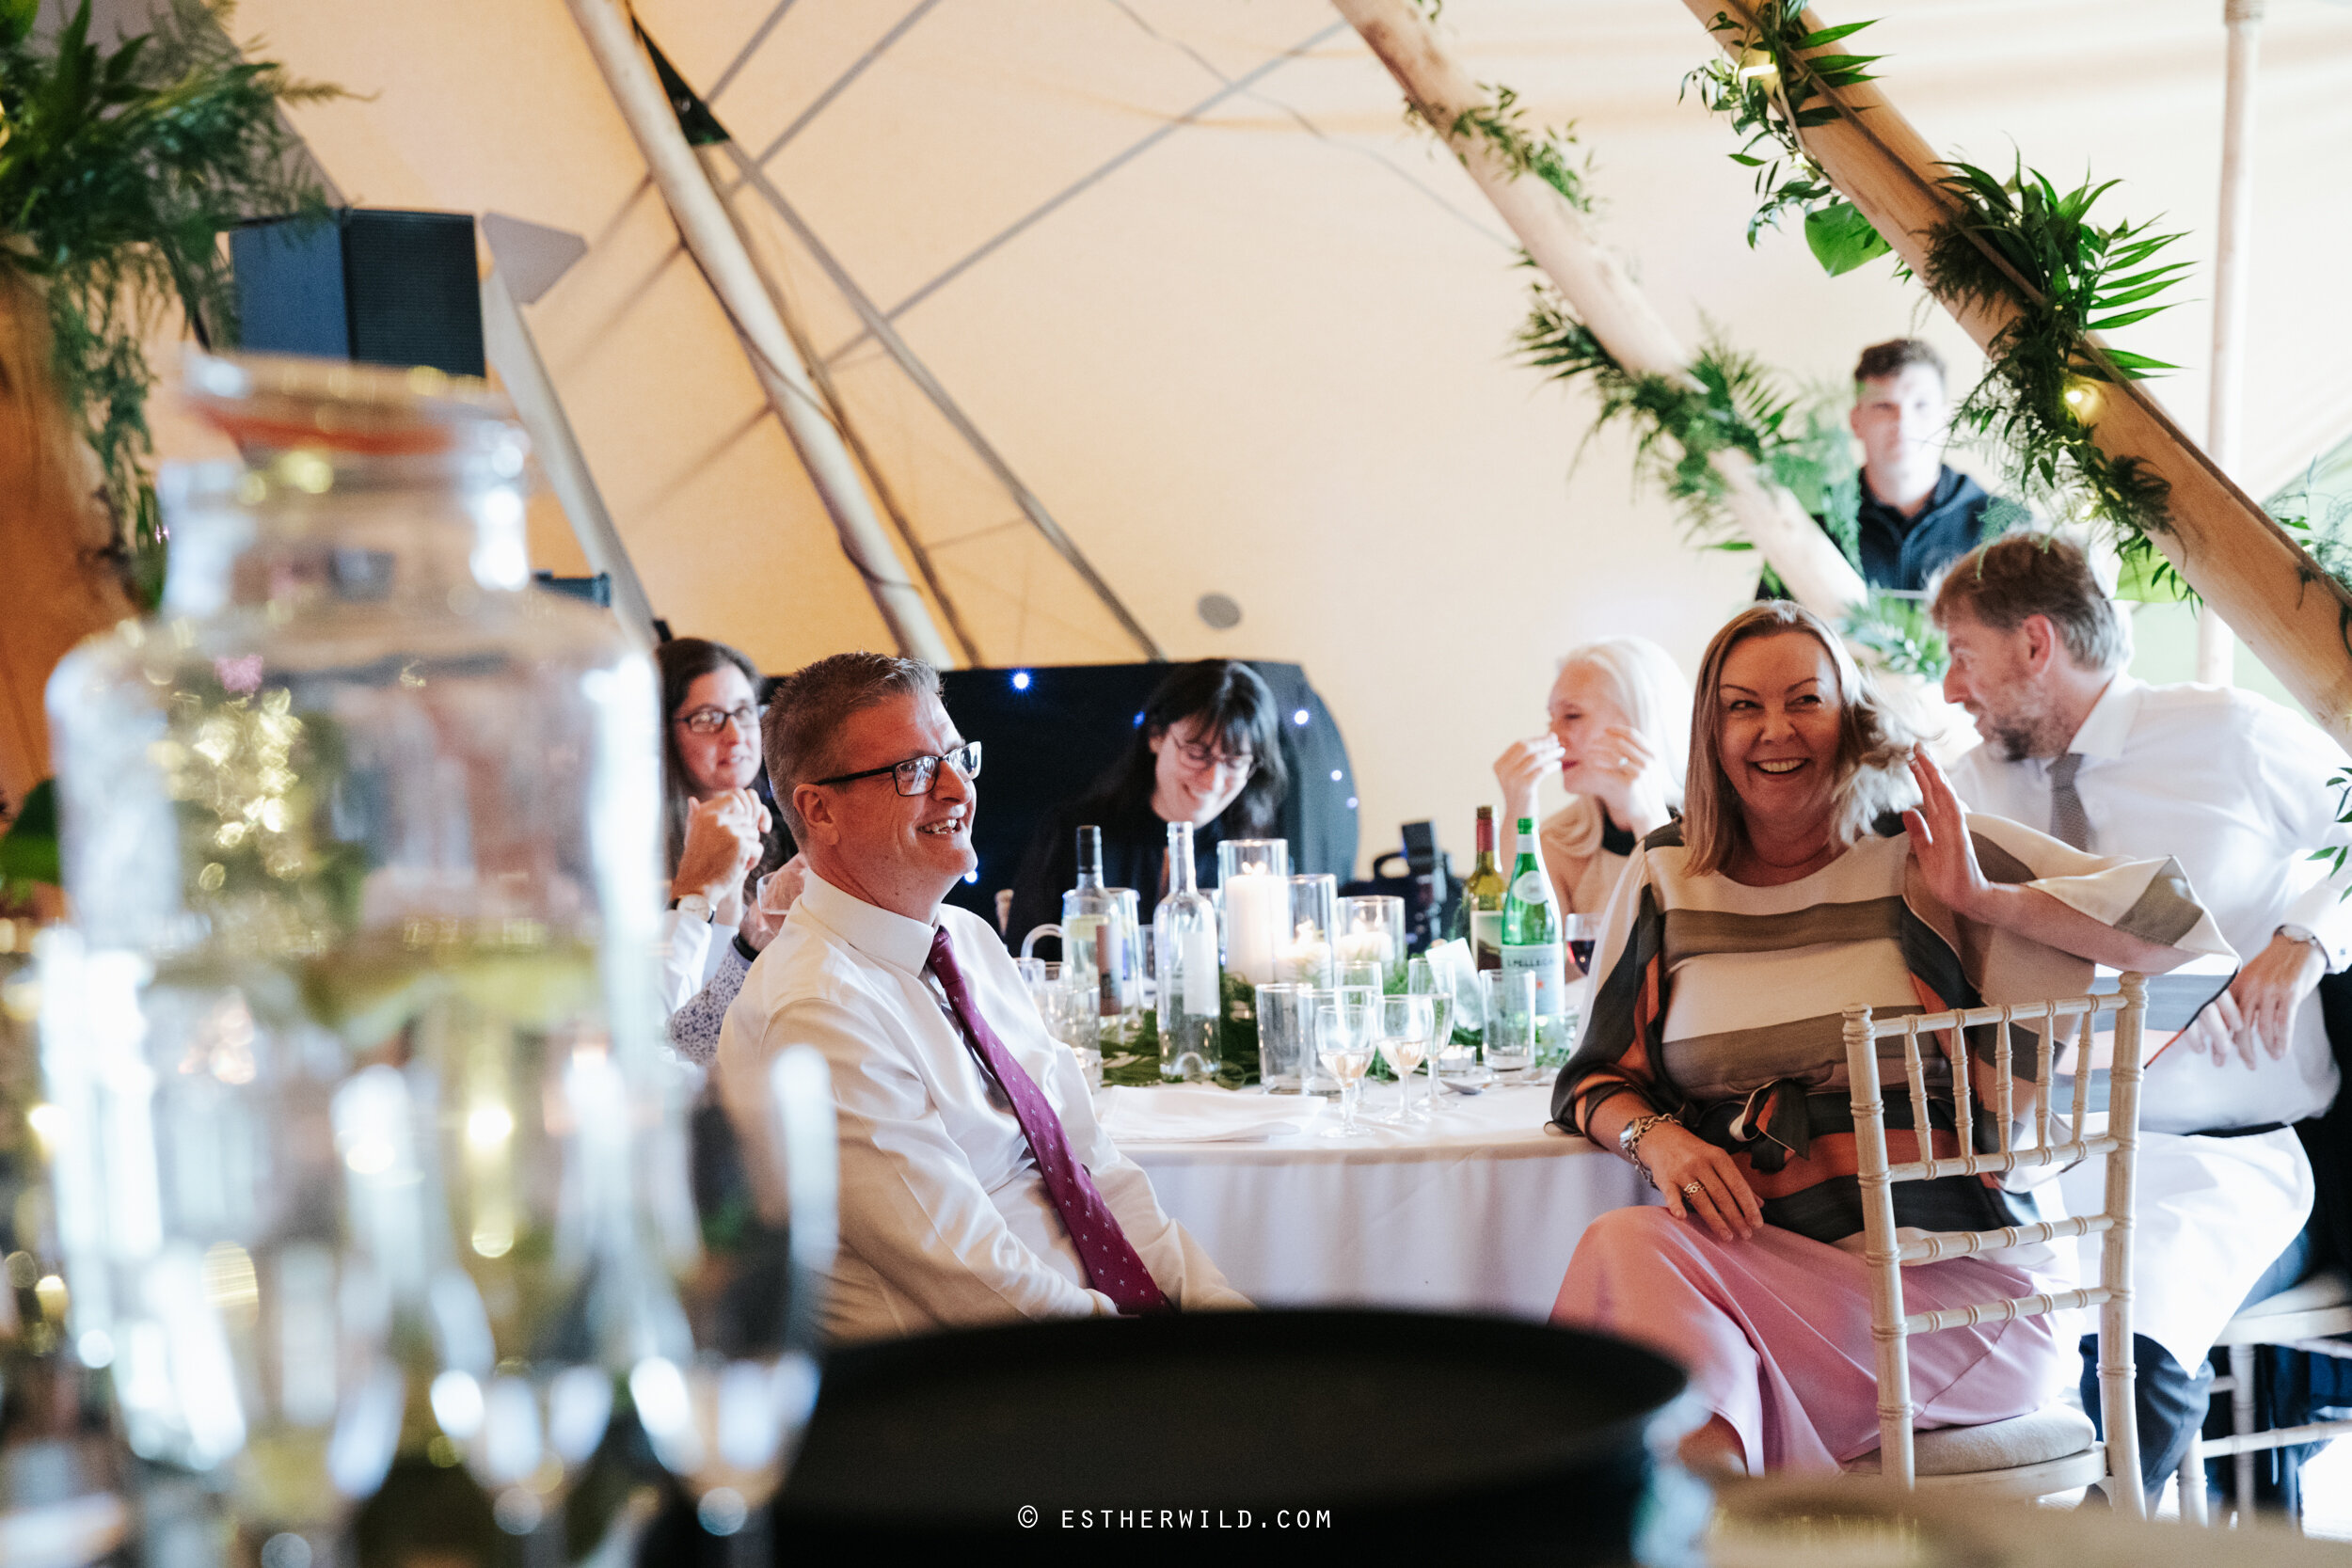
x=1580, y=932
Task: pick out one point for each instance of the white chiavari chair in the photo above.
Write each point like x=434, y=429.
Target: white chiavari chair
x=2055, y=1449
x=2304, y=1317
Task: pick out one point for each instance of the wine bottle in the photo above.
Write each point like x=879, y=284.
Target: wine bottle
x=1190, y=981
x=1481, y=920
x=1531, y=928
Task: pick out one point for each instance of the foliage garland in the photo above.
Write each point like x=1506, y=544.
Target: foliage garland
x=2041, y=395
x=2327, y=539
x=2020, y=240
x=1502, y=124
x=1728, y=400
x=119, y=169
x=1732, y=401
x=1773, y=90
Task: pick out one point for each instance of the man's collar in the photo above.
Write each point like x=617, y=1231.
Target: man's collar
x=2108, y=724
x=876, y=932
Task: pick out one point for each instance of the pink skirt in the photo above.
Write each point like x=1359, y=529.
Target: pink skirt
x=1775, y=1333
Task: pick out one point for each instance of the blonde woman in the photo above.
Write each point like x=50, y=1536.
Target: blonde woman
x=1713, y=1055
x=1620, y=716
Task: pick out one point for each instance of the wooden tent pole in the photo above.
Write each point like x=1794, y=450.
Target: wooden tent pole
x=2292, y=615
x=2232, y=252
x=821, y=379
x=878, y=327
x=1600, y=292
x=711, y=236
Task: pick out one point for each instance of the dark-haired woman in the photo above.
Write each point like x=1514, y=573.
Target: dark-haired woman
x=717, y=832
x=1206, y=752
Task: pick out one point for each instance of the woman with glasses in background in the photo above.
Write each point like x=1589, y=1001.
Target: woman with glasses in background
x=1206, y=752
x=719, y=835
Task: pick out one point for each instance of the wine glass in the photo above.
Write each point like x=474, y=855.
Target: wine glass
x=1404, y=1034
x=728, y=1421
x=1341, y=1042
x=1581, y=932
x=1365, y=974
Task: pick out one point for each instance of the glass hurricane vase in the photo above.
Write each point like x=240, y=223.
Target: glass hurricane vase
x=372, y=1145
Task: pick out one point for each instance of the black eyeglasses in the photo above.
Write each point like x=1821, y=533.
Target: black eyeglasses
x=710, y=720
x=1206, y=757
x=915, y=775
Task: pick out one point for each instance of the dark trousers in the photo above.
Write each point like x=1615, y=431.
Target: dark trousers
x=2170, y=1399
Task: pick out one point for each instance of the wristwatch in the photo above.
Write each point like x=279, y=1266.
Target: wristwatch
x=694, y=906
x=2304, y=933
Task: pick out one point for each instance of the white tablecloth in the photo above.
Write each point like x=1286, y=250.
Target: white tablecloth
x=1478, y=1213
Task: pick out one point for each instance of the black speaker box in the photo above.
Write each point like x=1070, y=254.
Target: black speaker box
x=385, y=287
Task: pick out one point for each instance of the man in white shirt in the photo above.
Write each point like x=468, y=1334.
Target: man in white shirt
x=976, y=1185
x=2236, y=789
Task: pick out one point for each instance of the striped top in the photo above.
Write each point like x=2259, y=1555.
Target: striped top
x=1724, y=1003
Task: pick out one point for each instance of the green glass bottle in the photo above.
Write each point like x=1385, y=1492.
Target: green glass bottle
x=1532, y=930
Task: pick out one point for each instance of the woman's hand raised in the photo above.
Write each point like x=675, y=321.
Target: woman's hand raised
x=1941, y=845
x=1521, y=772
x=1680, y=1159
x=722, y=842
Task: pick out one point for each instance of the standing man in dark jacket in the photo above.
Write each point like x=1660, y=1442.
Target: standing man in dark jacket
x=1917, y=515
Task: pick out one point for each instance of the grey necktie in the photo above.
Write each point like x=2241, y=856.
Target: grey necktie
x=2067, y=820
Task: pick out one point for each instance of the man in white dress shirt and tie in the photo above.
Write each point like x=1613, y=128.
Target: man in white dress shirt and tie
x=976, y=1185
x=2237, y=789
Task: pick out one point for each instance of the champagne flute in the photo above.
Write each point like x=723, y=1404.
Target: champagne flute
x=1404, y=1030
x=1446, y=1059
x=1340, y=1041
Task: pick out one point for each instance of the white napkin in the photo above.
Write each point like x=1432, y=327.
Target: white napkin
x=1191, y=1114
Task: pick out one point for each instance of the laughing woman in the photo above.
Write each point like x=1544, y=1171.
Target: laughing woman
x=1715, y=1059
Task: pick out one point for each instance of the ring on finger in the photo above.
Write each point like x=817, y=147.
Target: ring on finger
x=1693, y=1189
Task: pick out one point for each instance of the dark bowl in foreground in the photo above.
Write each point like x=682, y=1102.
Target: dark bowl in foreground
x=1414, y=1425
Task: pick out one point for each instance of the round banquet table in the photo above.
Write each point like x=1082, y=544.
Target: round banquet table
x=1476, y=1212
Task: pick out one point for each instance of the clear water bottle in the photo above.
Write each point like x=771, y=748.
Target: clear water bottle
x=1190, y=980
x=1105, y=928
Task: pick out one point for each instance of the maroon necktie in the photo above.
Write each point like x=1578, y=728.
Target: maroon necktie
x=1111, y=1264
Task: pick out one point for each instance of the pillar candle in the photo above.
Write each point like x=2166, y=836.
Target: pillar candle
x=1256, y=910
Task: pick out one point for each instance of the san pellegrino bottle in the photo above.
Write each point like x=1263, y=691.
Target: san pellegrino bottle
x=1483, y=896
x=1190, y=983
x=1532, y=930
